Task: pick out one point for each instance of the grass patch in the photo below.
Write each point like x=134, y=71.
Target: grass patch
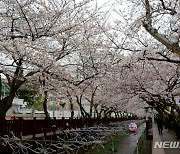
x=112, y=144
x=144, y=145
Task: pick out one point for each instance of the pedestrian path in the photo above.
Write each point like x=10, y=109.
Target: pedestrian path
x=129, y=144
x=165, y=137
x=156, y=138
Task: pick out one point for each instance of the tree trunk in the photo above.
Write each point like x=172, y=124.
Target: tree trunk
x=99, y=115
x=45, y=104
x=91, y=108
x=82, y=110
x=116, y=114
x=95, y=111
x=91, y=104
x=0, y=87
x=72, y=110
x=6, y=102
x=14, y=84
x=5, y=105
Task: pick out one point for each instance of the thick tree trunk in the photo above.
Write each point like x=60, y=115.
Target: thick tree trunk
x=14, y=84
x=6, y=102
x=5, y=105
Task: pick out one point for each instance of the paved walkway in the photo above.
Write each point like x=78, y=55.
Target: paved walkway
x=166, y=136
x=129, y=144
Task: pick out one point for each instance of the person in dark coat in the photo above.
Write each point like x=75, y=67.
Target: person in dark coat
x=159, y=121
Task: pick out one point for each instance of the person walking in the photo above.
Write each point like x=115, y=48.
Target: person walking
x=159, y=121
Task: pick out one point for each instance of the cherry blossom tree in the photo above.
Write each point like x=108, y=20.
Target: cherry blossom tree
x=38, y=38
x=87, y=73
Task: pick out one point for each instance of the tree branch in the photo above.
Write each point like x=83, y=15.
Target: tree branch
x=165, y=60
x=153, y=32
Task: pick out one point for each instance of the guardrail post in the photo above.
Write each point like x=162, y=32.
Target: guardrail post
x=63, y=122
x=3, y=126
x=34, y=126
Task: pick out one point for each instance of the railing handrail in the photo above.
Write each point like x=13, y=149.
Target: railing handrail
x=34, y=126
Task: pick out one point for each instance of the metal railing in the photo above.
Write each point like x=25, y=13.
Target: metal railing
x=35, y=126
